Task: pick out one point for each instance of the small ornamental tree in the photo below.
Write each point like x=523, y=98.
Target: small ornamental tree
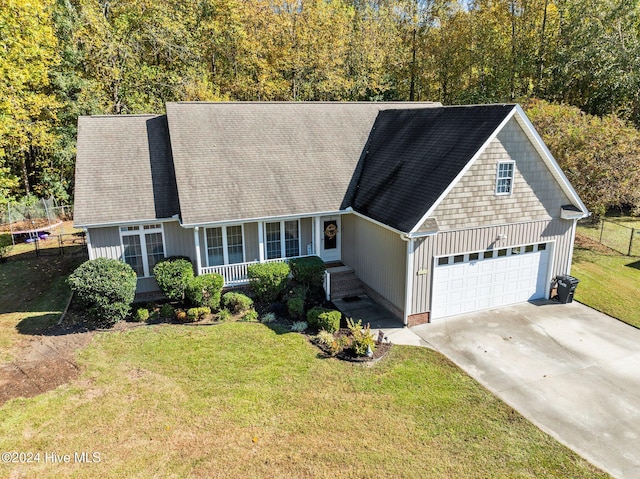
x=173, y=275
x=106, y=287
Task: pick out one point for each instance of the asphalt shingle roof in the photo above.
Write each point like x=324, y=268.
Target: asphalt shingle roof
x=124, y=170
x=239, y=161
x=412, y=157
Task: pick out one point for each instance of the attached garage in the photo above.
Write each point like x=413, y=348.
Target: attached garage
x=487, y=279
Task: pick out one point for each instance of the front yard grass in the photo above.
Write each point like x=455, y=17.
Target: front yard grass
x=609, y=282
x=243, y=400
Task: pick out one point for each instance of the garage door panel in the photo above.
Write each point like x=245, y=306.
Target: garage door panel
x=491, y=282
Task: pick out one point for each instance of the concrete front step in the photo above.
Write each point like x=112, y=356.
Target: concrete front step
x=345, y=283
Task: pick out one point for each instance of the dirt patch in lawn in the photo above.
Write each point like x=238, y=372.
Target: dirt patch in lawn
x=43, y=362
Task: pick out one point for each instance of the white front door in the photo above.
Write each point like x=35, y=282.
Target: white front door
x=472, y=282
x=330, y=238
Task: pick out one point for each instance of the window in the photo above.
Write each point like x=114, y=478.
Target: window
x=282, y=239
x=504, y=179
x=474, y=257
x=224, y=245
x=273, y=242
x=143, y=247
x=443, y=261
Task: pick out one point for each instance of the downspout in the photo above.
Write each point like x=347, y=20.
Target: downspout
x=573, y=239
x=408, y=290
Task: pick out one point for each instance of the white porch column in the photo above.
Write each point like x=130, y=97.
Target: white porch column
x=196, y=238
x=261, y=241
x=316, y=236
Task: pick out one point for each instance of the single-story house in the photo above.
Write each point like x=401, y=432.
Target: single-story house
x=438, y=210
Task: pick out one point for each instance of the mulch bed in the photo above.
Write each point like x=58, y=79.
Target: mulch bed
x=380, y=351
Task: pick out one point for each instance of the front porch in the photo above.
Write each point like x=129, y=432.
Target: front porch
x=228, y=249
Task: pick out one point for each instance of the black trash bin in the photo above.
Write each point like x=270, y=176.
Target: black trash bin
x=566, y=288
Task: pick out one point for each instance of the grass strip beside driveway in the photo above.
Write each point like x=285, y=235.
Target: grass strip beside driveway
x=243, y=400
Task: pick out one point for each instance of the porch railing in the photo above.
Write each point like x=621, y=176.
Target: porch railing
x=236, y=274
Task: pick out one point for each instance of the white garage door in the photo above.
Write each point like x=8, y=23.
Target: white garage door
x=488, y=279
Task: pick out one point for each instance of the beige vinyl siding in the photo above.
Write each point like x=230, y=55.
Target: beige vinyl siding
x=306, y=234
x=377, y=256
x=105, y=242
x=251, y=244
x=480, y=239
x=472, y=201
x=179, y=241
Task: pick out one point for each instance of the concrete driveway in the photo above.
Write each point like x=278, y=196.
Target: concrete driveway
x=572, y=371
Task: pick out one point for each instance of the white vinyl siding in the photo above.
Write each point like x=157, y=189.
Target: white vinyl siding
x=225, y=245
x=142, y=246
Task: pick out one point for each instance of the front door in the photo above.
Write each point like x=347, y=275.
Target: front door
x=330, y=238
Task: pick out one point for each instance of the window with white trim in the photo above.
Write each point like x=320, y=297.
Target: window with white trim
x=282, y=239
x=504, y=177
x=225, y=245
x=143, y=247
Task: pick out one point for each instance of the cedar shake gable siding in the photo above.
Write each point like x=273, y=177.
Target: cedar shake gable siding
x=414, y=155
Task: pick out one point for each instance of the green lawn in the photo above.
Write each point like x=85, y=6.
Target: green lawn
x=616, y=233
x=242, y=400
x=609, y=282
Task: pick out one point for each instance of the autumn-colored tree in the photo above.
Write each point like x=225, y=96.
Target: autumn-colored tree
x=600, y=155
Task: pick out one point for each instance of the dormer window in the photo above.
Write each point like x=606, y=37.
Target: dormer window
x=504, y=178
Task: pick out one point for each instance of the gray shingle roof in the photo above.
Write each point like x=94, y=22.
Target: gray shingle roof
x=253, y=160
x=412, y=157
x=124, y=170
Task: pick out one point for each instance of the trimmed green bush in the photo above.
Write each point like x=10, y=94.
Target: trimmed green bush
x=308, y=271
x=236, y=302
x=295, y=306
x=167, y=311
x=192, y=314
x=142, y=315
x=324, y=319
x=268, y=280
x=173, y=277
x=224, y=315
x=203, y=312
x=205, y=290
x=106, y=287
x=251, y=315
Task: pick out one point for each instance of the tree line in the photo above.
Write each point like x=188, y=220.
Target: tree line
x=64, y=58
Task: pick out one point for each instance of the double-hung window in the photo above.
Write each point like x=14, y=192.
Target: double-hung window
x=282, y=239
x=225, y=245
x=143, y=247
x=504, y=178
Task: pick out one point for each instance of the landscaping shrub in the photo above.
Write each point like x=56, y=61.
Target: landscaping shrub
x=192, y=314
x=308, y=271
x=299, y=326
x=362, y=339
x=295, y=306
x=236, y=302
x=224, y=315
x=251, y=315
x=205, y=290
x=142, y=314
x=106, y=287
x=268, y=318
x=167, y=311
x=268, y=280
x=173, y=277
x=203, y=312
x=5, y=246
x=181, y=315
x=324, y=319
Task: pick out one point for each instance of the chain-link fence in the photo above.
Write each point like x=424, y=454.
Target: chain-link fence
x=622, y=238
